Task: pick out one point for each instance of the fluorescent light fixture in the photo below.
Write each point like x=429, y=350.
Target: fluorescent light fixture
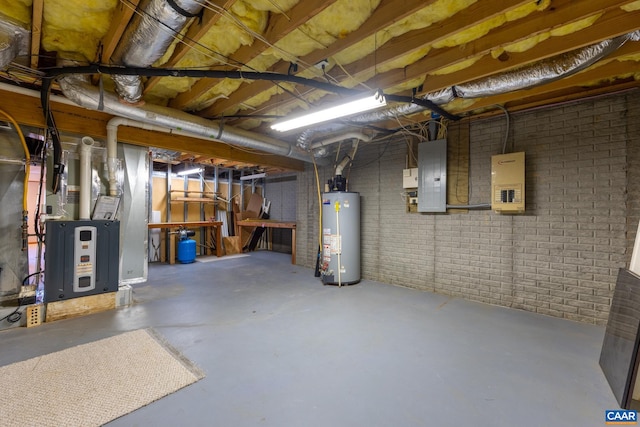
x=254, y=176
x=189, y=171
x=346, y=108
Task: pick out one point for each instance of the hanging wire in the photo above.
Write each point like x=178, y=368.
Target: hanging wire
x=209, y=53
x=319, y=254
x=506, y=133
x=215, y=55
x=352, y=77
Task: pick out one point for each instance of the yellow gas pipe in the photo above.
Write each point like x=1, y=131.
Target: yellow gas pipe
x=25, y=211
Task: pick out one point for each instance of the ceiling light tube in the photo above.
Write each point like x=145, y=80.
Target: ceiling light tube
x=346, y=108
x=189, y=171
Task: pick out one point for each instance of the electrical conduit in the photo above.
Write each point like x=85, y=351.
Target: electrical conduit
x=339, y=243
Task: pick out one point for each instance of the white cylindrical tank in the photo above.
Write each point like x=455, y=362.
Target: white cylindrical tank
x=340, y=238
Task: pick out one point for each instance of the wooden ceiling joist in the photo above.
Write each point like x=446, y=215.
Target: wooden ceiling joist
x=506, y=34
x=613, y=25
x=197, y=30
x=494, y=52
x=389, y=11
x=36, y=32
x=279, y=26
x=121, y=16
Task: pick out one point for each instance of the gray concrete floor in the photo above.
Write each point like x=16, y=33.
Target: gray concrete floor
x=280, y=349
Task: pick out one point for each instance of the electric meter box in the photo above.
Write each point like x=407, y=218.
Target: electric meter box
x=507, y=182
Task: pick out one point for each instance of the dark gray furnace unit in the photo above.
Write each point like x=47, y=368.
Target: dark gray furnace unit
x=81, y=259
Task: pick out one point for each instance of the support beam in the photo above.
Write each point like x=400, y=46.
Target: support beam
x=28, y=111
x=121, y=17
x=196, y=31
x=36, y=31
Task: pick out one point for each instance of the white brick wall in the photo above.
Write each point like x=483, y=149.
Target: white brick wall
x=560, y=257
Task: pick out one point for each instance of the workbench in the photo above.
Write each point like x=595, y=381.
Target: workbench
x=217, y=225
x=268, y=223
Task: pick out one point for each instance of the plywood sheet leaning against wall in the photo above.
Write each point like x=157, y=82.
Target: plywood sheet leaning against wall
x=251, y=212
x=458, y=166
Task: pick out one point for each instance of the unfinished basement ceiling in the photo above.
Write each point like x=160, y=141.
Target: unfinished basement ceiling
x=413, y=48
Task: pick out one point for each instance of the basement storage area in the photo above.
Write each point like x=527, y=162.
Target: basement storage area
x=369, y=212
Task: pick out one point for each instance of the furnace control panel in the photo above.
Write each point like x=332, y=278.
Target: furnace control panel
x=84, y=277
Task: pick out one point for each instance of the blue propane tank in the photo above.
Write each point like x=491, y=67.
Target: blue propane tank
x=186, y=251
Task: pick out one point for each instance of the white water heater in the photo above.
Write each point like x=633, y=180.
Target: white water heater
x=340, y=238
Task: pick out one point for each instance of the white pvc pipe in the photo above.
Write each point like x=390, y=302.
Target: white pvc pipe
x=35, y=94
x=349, y=135
x=85, y=149
x=348, y=158
x=112, y=145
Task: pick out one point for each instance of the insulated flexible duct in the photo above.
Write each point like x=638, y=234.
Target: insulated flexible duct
x=14, y=41
x=148, y=37
x=542, y=72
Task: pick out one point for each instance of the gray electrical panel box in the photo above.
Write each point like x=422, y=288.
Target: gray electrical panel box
x=81, y=259
x=432, y=176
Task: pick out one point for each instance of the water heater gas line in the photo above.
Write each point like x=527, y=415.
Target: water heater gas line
x=338, y=242
x=27, y=165
x=85, y=149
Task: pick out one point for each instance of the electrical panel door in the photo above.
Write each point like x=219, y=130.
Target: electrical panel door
x=507, y=182
x=432, y=176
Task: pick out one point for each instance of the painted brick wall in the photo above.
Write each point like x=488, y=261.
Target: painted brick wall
x=281, y=192
x=559, y=258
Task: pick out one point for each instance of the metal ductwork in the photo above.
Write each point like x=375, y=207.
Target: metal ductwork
x=81, y=92
x=306, y=138
x=14, y=41
x=542, y=72
x=148, y=37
